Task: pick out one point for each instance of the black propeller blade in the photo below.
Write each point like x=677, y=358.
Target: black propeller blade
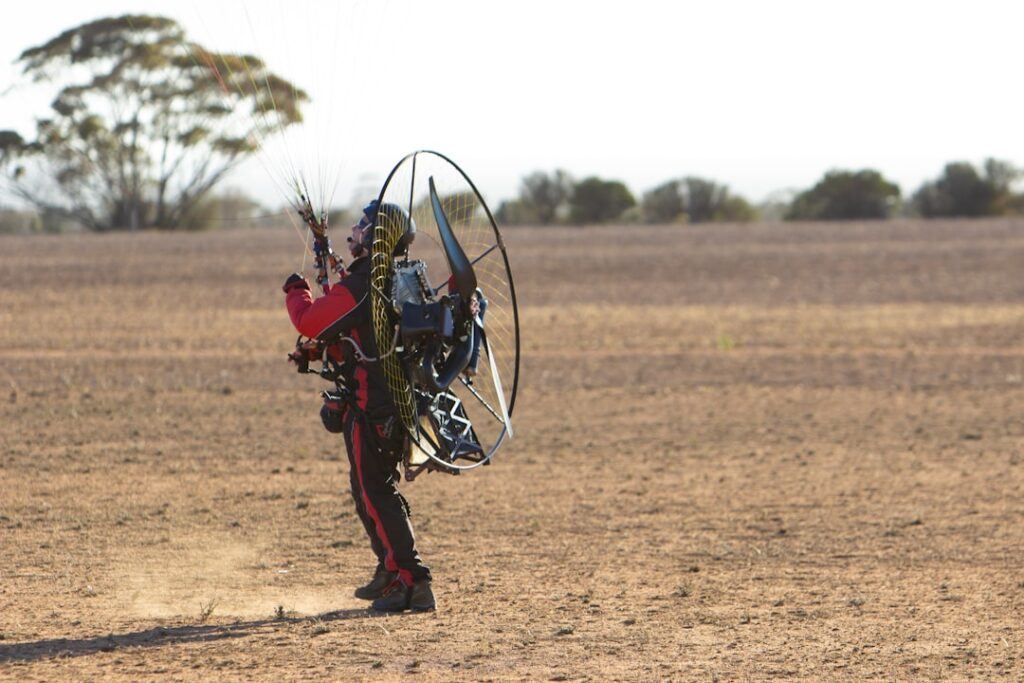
x=458, y=262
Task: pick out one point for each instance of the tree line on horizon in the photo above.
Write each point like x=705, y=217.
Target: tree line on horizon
x=556, y=198
x=960, y=190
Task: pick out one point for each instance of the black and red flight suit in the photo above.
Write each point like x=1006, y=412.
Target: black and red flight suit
x=374, y=454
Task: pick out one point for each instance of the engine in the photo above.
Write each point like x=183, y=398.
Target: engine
x=435, y=346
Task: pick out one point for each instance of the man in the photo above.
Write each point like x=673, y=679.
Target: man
x=374, y=437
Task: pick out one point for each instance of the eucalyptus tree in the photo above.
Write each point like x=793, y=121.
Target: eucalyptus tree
x=144, y=123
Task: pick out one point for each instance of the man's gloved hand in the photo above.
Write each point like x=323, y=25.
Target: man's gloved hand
x=305, y=351
x=295, y=281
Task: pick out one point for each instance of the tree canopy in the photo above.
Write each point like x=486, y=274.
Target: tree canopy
x=664, y=203
x=694, y=200
x=145, y=124
x=544, y=199
x=599, y=201
x=846, y=195
x=962, y=191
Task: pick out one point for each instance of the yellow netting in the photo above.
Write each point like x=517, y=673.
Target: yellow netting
x=389, y=229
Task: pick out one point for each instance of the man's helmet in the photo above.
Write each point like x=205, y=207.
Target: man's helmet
x=391, y=216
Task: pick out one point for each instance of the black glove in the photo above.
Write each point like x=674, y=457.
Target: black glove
x=295, y=281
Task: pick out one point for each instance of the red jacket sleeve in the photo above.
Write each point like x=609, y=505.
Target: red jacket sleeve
x=312, y=317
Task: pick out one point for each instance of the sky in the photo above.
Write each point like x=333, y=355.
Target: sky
x=760, y=96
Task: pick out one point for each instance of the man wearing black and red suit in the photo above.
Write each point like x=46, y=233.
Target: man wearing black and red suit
x=374, y=437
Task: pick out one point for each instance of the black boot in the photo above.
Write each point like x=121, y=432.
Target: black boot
x=382, y=578
x=418, y=597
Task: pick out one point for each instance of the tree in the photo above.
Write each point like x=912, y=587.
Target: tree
x=146, y=126
x=599, y=201
x=694, y=200
x=846, y=195
x=702, y=198
x=543, y=200
x=962, y=191
x=664, y=204
x=547, y=196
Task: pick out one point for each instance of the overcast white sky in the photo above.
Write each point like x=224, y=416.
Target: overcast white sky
x=759, y=95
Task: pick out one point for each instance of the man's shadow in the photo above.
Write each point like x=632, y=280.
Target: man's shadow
x=164, y=635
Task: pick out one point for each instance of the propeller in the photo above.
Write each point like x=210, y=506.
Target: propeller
x=458, y=262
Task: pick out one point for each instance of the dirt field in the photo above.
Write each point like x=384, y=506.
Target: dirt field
x=741, y=453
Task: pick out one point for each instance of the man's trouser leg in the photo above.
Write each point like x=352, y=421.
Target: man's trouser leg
x=380, y=506
x=371, y=528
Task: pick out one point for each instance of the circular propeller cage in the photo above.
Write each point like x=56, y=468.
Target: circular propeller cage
x=461, y=426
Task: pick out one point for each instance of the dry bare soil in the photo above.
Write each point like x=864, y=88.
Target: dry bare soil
x=742, y=453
